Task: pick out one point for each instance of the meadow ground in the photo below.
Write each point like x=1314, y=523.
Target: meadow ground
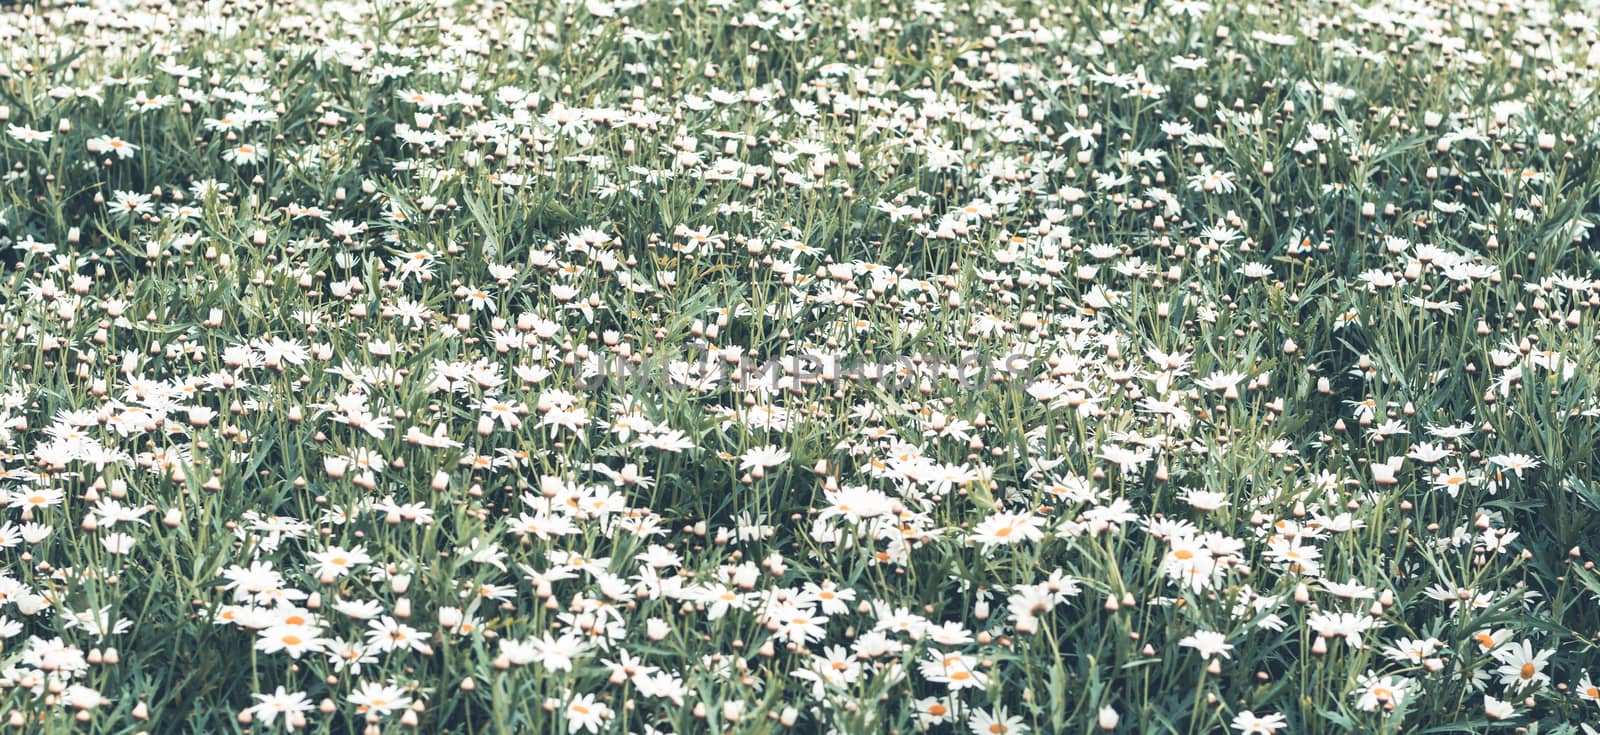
x=762, y=366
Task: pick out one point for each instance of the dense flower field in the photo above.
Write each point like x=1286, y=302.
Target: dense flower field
x=761, y=366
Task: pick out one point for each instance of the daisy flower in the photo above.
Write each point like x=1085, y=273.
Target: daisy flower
x=1208, y=643
x=763, y=457
x=996, y=722
x=1249, y=723
x=1375, y=691
x=585, y=714
x=107, y=144
x=380, y=699
x=245, y=154
x=1521, y=667
x=28, y=135
x=1009, y=528
x=281, y=702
